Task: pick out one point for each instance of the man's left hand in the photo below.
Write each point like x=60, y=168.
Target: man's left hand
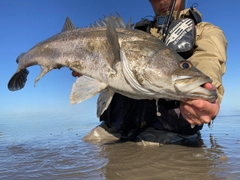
x=198, y=112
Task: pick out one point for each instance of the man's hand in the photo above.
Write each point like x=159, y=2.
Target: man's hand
x=197, y=112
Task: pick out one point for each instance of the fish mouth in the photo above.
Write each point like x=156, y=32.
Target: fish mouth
x=202, y=93
x=193, y=87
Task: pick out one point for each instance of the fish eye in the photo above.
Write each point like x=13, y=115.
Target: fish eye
x=185, y=65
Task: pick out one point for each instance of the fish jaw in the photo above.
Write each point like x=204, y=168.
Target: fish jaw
x=192, y=87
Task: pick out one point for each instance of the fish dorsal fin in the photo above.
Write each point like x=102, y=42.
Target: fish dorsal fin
x=112, y=38
x=68, y=25
x=117, y=22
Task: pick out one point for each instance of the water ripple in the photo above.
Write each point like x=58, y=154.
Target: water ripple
x=48, y=147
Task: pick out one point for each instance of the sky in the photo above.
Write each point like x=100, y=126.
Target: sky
x=27, y=22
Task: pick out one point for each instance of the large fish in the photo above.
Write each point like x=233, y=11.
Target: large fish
x=113, y=57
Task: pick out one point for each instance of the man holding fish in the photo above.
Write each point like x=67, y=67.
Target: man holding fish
x=135, y=119
x=160, y=86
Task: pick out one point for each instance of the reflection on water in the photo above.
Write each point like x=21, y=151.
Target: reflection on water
x=50, y=147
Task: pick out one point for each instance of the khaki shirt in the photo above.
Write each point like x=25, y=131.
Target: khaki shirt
x=210, y=53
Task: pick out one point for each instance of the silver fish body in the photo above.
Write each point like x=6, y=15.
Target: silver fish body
x=114, y=59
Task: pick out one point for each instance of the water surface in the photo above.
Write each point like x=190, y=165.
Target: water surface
x=50, y=147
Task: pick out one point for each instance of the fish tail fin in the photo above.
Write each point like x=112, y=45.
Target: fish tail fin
x=18, y=80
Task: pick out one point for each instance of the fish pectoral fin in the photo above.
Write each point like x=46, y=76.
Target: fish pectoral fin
x=18, y=80
x=85, y=87
x=104, y=100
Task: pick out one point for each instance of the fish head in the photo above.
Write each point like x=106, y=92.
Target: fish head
x=188, y=82
x=154, y=69
x=176, y=78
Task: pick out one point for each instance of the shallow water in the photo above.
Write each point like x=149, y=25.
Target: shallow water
x=50, y=147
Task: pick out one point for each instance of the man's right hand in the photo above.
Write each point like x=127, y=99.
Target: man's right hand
x=76, y=74
x=200, y=111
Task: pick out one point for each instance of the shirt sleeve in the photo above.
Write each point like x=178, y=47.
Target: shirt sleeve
x=210, y=54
